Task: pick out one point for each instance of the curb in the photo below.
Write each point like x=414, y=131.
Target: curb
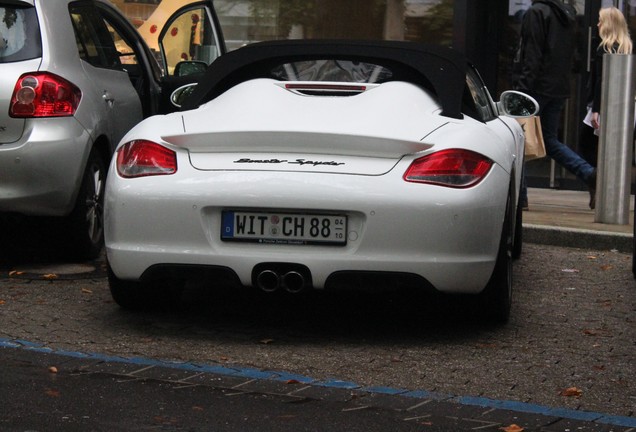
x=578, y=238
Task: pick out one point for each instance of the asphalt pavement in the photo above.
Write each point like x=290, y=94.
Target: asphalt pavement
x=91, y=390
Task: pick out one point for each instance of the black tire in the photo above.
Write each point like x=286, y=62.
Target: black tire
x=127, y=294
x=497, y=296
x=85, y=224
x=517, y=244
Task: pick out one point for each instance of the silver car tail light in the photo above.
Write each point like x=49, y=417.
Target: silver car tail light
x=141, y=158
x=43, y=94
x=456, y=168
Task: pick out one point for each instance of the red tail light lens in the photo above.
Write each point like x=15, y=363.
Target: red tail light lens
x=43, y=94
x=142, y=158
x=452, y=168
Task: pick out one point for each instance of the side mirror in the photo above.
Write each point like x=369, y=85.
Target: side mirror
x=181, y=94
x=189, y=67
x=517, y=104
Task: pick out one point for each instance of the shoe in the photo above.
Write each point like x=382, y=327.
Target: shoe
x=591, y=184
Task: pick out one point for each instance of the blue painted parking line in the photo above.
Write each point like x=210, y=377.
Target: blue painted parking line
x=252, y=373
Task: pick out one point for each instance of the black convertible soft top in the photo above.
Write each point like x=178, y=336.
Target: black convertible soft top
x=440, y=70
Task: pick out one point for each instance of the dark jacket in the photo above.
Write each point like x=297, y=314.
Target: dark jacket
x=544, y=60
x=596, y=78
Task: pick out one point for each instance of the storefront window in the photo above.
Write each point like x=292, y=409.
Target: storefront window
x=247, y=21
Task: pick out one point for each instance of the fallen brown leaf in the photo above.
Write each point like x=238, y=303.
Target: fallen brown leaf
x=486, y=345
x=53, y=369
x=87, y=291
x=292, y=381
x=267, y=341
x=15, y=273
x=2, y=302
x=52, y=392
x=607, y=267
x=512, y=428
x=572, y=392
x=165, y=420
x=50, y=276
x=197, y=408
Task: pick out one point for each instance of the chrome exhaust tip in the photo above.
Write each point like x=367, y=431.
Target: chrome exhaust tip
x=268, y=281
x=293, y=282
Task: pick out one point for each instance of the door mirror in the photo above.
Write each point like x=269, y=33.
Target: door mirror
x=517, y=104
x=193, y=67
x=181, y=94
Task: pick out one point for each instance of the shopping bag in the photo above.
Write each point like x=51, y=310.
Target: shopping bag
x=534, y=146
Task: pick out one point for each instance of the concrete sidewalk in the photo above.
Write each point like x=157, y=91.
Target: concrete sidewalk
x=563, y=218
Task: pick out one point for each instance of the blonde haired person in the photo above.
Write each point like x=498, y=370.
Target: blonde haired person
x=614, y=36
x=615, y=39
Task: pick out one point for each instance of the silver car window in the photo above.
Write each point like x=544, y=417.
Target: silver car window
x=94, y=42
x=19, y=34
x=332, y=70
x=479, y=97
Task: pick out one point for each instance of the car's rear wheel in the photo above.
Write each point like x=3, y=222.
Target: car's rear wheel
x=85, y=224
x=497, y=296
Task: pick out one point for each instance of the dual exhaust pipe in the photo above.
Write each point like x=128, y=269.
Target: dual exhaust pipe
x=270, y=280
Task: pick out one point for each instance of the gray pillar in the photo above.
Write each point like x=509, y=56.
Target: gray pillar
x=616, y=140
x=394, y=20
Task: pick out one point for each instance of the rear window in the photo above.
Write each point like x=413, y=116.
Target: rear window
x=332, y=70
x=19, y=34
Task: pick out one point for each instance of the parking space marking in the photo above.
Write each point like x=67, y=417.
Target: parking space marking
x=254, y=374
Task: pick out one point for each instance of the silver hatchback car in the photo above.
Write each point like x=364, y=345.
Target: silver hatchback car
x=75, y=77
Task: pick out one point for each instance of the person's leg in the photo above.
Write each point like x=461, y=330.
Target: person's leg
x=588, y=144
x=566, y=157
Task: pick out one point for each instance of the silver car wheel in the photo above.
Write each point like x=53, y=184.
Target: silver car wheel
x=85, y=225
x=94, y=210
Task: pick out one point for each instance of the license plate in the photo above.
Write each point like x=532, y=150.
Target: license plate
x=284, y=228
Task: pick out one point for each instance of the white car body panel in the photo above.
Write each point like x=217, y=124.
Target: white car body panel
x=149, y=237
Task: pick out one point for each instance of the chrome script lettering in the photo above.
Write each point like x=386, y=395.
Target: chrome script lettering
x=265, y=161
x=316, y=163
x=296, y=162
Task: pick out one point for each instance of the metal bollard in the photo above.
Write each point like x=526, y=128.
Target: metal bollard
x=616, y=140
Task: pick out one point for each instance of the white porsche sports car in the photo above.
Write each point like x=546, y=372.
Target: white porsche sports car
x=307, y=164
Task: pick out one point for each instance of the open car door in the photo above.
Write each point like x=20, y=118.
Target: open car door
x=185, y=37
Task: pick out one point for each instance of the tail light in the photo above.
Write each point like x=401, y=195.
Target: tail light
x=452, y=168
x=43, y=94
x=142, y=158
